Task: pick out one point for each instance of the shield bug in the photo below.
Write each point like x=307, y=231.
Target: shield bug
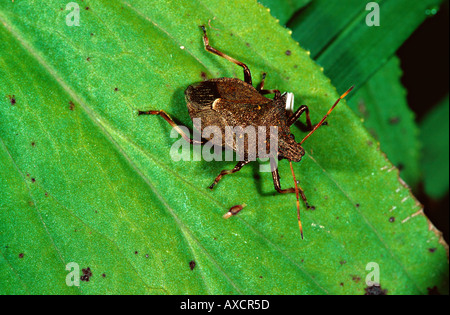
x=226, y=102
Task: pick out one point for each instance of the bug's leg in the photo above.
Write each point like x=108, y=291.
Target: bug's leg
x=247, y=74
x=226, y=172
x=276, y=92
x=276, y=183
x=261, y=84
x=298, y=113
x=167, y=118
x=261, y=90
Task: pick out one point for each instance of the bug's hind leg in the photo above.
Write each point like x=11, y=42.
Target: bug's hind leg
x=247, y=74
x=167, y=118
x=226, y=172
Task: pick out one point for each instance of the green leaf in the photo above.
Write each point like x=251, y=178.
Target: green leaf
x=284, y=9
x=382, y=103
x=349, y=50
x=435, y=154
x=85, y=180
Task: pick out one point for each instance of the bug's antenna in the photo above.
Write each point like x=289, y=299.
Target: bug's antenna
x=298, y=201
x=325, y=117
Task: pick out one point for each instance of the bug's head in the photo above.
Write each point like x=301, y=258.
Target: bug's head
x=289, y=149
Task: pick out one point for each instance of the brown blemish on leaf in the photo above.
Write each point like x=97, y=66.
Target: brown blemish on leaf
x=375, y=290
x=392, y=219
x=12, y=99
x=21, y=255
x=87, y=274
x=433, y=291
x=71, y=105
x=356, y=278
x=192, y=264
x=203, y=75
x=394, y=120
x=288, y=52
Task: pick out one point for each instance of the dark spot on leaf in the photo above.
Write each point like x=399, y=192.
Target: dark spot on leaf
x=433, y=291
x=192, y=264
x=356, y=278
x=357, y=205
x=88, y=59
x=394, y=120
x=288, y=52
x=87, y=8
x=33, y=180
x=12, y=99
x=71, y=105
x=116, y=89
x=248, y=45
x=136, y=252
x=21, y=255
x=369, y=143
x=400, y=166
x=342, y=262
x=92, y=34
x=295, y=66
x=260, y=277
x=325, y=123
x=33, y=144
x=375, y=290
x=341, y=284
x=392, y=219
x=432, y=250
x=203, y=75
x=87, y=274
x=104, y=275
x=147, y=256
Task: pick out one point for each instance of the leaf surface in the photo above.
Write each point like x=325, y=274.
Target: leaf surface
x=84, y=179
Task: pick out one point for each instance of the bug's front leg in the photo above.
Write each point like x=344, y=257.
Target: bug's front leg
x=298, y=113
x=226, y=172
x=276, y=184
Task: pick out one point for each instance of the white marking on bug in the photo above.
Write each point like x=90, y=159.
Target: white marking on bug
x=290, y=102
x=215, y=103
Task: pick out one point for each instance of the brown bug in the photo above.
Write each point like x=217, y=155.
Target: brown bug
x=226, y=102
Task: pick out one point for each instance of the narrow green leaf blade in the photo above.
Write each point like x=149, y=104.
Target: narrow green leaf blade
x=383, y=106
x=435, y=155
x=349, y=50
